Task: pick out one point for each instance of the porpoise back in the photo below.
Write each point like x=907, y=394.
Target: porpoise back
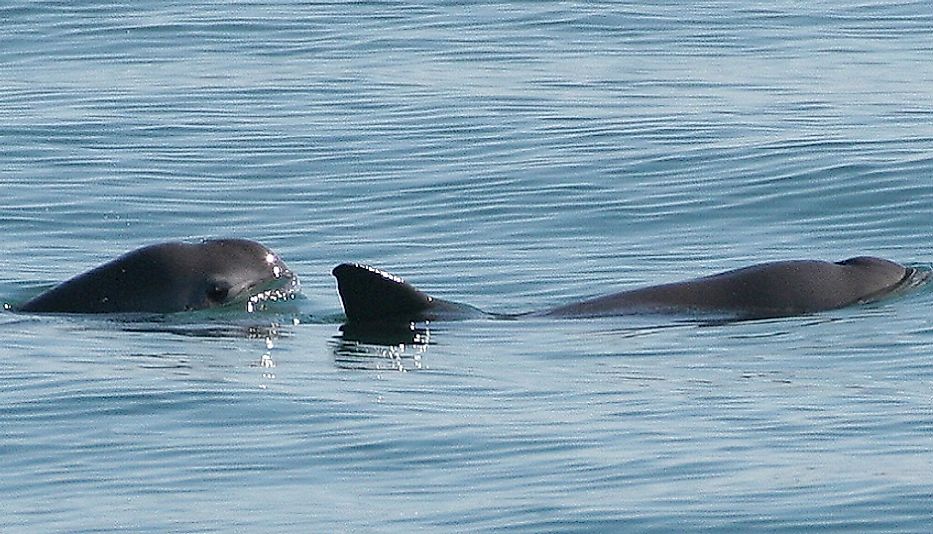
x=774, y=289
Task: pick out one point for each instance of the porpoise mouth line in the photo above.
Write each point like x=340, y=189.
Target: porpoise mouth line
x=913, y=278
x=285, y=286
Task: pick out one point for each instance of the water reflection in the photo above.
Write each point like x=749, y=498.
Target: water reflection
x=381, y=347
x=266, y=331
x=258, y=344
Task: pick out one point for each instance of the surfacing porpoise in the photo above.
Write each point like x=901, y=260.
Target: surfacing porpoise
x=173, y=277
x=766, y=290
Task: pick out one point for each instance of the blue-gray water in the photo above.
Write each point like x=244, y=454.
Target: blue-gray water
x=512, y=155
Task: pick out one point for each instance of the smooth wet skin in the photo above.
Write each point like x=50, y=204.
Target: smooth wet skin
x=775, y=289
x=172, y=277
x=373, y=296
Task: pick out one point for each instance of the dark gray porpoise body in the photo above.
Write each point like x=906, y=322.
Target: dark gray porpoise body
x=765, y=290
x=171, y=277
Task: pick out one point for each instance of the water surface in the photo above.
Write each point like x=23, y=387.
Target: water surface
x=515, y=156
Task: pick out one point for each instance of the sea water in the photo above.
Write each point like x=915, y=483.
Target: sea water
x=513, y=155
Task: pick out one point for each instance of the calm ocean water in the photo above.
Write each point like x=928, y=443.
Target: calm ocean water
x=512, y=155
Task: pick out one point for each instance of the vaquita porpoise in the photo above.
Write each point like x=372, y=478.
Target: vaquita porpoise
x=766, y=290
x=173, y=277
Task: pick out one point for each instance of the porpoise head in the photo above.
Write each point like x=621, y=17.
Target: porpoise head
x=231, y=271
x=878, y=277
x=172, y=277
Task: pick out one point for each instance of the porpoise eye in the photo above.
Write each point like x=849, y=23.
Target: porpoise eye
x=218, y=293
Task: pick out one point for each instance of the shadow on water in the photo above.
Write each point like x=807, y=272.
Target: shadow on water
x=264, y=323
x=264, y=330
x=381, y=347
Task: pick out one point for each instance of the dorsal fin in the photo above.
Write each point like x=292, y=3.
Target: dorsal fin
x=373, y=296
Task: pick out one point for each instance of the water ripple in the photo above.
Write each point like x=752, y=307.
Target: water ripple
x=514, y=156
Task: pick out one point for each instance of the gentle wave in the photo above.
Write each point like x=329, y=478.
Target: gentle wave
x=514, y=156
